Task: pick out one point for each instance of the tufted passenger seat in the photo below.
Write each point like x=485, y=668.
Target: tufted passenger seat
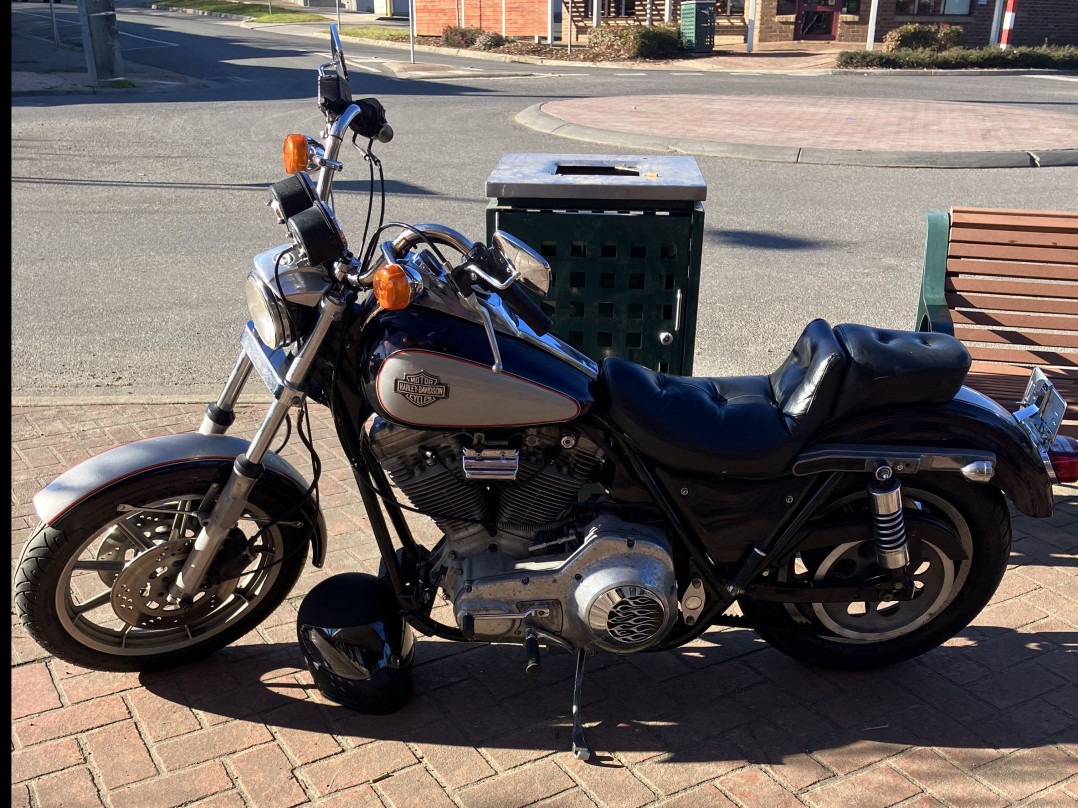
x=745, y=426
x=753, y=426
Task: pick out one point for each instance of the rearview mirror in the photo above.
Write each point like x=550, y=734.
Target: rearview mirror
x=534, y=271
x=337, y=50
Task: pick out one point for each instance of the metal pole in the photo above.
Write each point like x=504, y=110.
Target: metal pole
x=997, y=21
x=750, y=33
x=411, y=30
x=55, y=30
x=872, y=25
x=1008, y=24
x=339, y=3
x=503, y=18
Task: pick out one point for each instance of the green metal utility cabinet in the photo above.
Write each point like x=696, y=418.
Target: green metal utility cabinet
x=698, y=25
x=623, y=234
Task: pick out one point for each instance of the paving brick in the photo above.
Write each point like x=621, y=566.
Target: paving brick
x=446, y=752
x=119, y=755
x=71, y=720
x=573, y=798
x=1054, y=798
x=162, y=713
x=755, y=787
x=609, y=784
x=304, y=731
x=527, y=745
x=849, y=753
x=95, y=684
x=672, y=772
x=172, y=790
x=1028, y=771
x=362, y=797
x=356, y=767
x=45, y=759
x=517, y=788
x=20, y=796
x=207, y=744
x=874, y=787
x=72, y=788
x=265, y=774
x=32, y=690
x=1017, y=685
x=414, y=787
x=946, y=781
x=703, y=797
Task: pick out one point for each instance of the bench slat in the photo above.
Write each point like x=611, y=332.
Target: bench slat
x=1054, y=220
x=1042, y=339
x=1008, y=319
x=1022, y=357
x=1000, y=302
x=1017, y=288
x=1013, y=269
x=1047, y=255
x=1034, y=238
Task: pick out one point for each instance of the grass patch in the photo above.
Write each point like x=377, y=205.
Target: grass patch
x=257, y=12
x=375, y=32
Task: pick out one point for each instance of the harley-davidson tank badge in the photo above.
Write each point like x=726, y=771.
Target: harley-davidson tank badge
x=421, y=388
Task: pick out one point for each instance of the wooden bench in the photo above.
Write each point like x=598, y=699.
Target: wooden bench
x=1005, y=282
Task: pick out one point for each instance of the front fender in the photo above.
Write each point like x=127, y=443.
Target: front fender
x=96, y=477
x=970, y=420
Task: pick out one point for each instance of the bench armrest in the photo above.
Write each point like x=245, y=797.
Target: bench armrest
x=932, y=311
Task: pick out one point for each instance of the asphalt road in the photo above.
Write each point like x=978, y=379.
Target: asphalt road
x=135, y=217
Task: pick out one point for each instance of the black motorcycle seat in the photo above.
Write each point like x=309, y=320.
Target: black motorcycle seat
x=753, y=426
x=744, y=426
x=888, y=368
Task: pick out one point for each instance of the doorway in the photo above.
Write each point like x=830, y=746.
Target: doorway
x=817, y=20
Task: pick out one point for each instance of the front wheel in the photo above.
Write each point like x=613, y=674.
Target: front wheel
x=950, y=592
x=94, y=594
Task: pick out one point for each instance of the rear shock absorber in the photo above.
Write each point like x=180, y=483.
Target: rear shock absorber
x=888, y=526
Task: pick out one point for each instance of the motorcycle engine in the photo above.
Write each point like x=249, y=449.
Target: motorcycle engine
x=507, y=564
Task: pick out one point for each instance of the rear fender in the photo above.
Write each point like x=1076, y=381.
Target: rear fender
x=970, y=420
x=57, y=503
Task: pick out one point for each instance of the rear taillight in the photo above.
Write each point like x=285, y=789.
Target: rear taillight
x=1064, y=456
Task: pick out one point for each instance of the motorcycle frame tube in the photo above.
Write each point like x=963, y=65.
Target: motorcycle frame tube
x=233, y=498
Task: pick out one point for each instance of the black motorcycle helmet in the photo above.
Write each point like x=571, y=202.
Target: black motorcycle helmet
x=356, y=643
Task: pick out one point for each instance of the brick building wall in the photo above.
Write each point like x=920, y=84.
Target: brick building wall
x=522, y=17
x=1036, y=22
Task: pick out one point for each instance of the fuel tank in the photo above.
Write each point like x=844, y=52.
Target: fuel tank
x=428, y=369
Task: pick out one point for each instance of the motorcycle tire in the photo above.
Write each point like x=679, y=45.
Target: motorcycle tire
x=71, y=587
x=952, y=592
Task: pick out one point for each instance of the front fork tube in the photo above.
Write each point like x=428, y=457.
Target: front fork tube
x=236, y=493
x=221, y=413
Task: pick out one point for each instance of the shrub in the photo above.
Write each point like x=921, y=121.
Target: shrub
x=635, y=40
x=488, y=41
x=1044, y=57
x=455, y=37
x=916, y=36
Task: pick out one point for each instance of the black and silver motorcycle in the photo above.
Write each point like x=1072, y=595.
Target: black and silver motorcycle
x=851, y=506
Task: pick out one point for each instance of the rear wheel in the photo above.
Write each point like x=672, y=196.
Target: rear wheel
x=950, y=592
x=95, y=594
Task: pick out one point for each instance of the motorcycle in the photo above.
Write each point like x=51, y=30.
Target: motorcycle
x=851, y=506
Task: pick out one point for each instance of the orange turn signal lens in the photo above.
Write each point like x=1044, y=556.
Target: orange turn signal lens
x=295, y=153
x=391, y=288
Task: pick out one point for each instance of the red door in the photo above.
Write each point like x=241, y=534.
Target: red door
x=817, y=20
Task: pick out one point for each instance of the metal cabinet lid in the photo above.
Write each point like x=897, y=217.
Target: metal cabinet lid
x=597, y=176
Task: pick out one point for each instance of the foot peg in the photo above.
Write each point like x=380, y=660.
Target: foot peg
x=533, y=667
x=580, y=746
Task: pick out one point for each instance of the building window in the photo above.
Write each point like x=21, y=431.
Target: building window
x=610, y=8
x=851, y=6
x=786, y=7
x=730, y=8
x=933, y=8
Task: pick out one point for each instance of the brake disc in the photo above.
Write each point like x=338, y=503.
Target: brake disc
x=140, y=594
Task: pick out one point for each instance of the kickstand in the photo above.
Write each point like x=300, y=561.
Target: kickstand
x=580, y=747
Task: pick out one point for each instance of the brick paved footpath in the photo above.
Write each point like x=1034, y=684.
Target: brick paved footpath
x=991, y=719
